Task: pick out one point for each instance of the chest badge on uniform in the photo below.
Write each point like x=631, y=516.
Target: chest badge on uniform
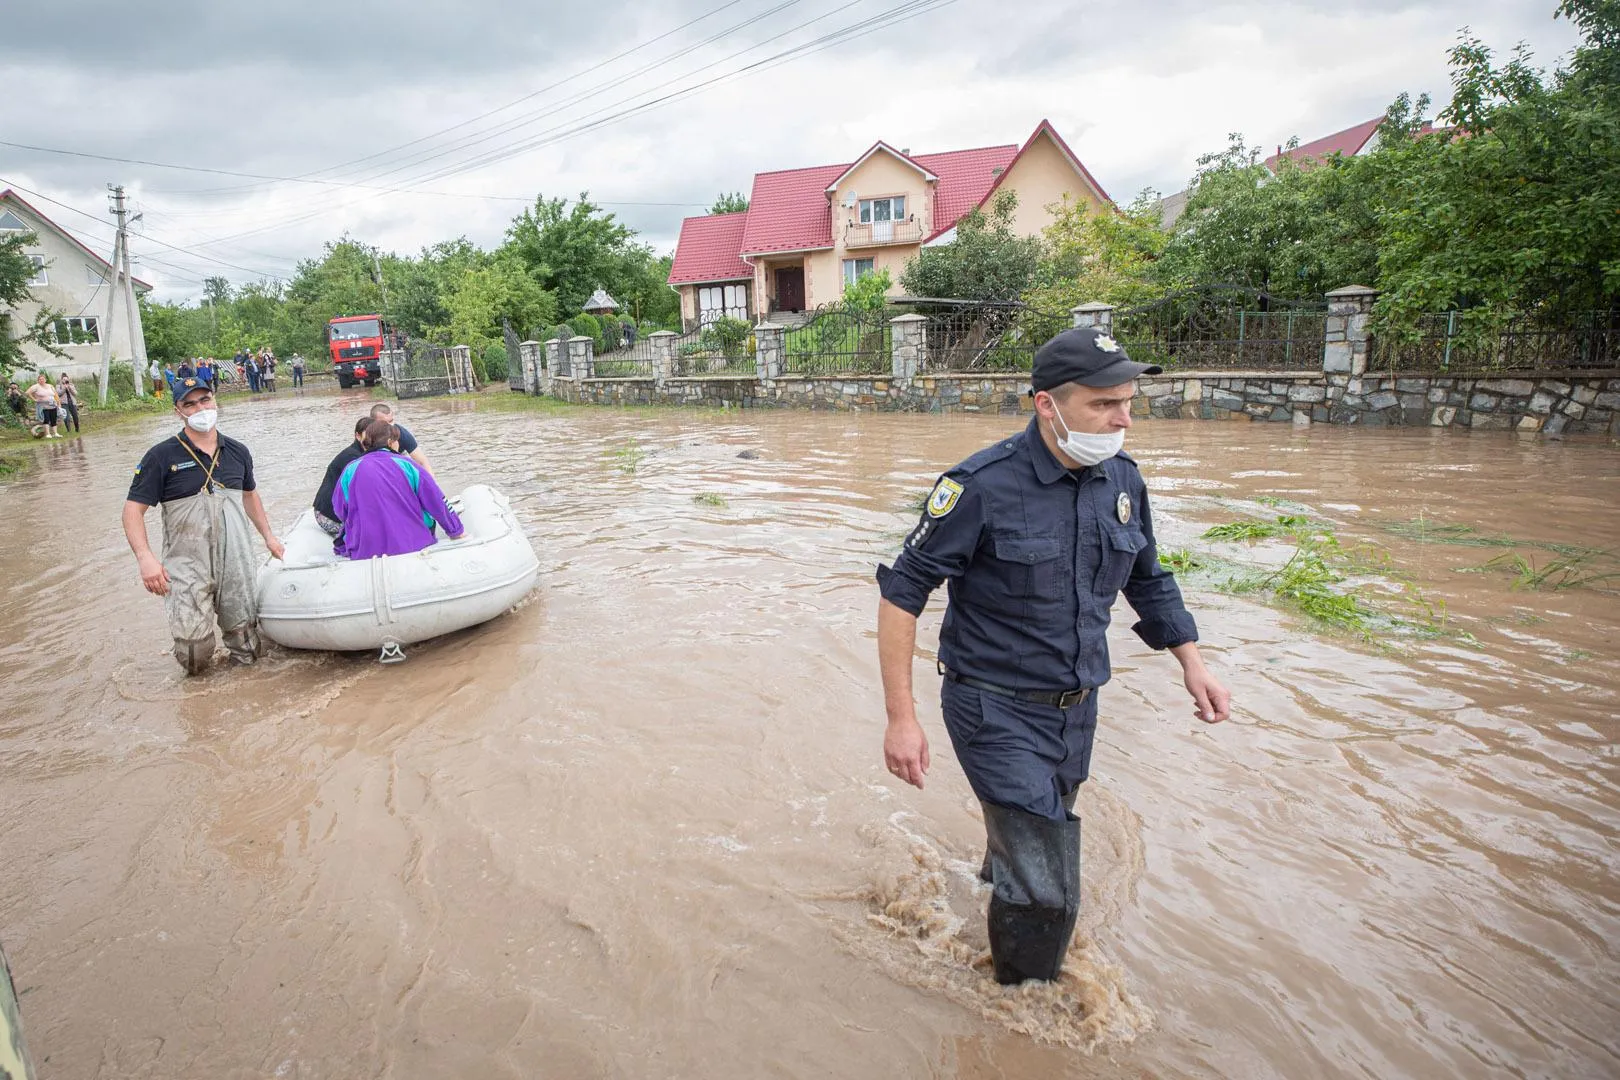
x=943, y=500
x=1122, y=508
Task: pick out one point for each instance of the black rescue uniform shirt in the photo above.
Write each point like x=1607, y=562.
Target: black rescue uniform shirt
x=1035, y=555
x=176, y=469
x=334, y=470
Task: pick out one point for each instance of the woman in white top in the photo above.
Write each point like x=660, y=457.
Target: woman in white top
x=44, y=395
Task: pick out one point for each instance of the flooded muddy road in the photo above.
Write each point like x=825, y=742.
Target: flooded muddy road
x=641, y=827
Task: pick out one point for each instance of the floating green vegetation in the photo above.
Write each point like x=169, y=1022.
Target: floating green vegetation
x=1180, y=561
x=1425, y=531
x=1563, y=572
x=1315, y=580
x=628, y=458
x=709, y=498
x=10, y=464
x=1251, y=529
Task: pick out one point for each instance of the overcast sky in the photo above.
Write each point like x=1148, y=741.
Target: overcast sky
x=390, y=95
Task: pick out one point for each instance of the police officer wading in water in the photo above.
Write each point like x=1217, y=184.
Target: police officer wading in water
x=1037, y=535
x=204, y=482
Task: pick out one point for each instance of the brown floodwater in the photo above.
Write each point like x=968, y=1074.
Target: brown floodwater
x=640, y=826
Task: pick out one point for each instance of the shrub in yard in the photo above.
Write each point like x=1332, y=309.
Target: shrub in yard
x=728, y=335
x=496, y=363
x=585, y=325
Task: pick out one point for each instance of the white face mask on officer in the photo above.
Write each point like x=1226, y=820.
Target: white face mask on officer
x=203, y=420
x=1085, y=448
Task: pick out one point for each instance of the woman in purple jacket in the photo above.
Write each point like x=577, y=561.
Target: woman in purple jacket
x=387, y=504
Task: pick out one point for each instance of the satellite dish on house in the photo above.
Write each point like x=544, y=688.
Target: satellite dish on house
x=850, y=199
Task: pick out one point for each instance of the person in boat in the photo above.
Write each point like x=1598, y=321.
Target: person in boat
x=325, y=516
x=387, y=503
x=407, y=442
x=204, y=482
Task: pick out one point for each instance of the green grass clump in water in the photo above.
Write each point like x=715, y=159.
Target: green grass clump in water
x=1179, y=561
x=1251, y=530
x=10, y=464
x=709, y=498
x=629, y=457
x=1564, y=572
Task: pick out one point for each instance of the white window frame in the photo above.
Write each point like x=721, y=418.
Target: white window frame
x=853, y=271
x=893, y=205
x=42, y=278
x=721, y=300
x=86, y=324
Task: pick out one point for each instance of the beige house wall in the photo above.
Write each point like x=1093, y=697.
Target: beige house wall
x=69, y=275
x=1041, y=177
x=878, y=176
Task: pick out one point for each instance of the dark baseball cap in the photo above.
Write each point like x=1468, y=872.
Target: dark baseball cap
x=181, y=387
x=1086, y=356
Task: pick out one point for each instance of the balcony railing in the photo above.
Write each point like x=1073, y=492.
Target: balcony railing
x=877, y=233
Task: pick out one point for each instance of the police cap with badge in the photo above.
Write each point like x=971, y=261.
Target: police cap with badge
x=1086, y=356
x=181, y=387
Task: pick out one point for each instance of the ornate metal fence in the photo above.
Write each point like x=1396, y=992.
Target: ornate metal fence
x=1453, y=343
x=840, y=341
x=421, y=370
x=964, y=336
x=1225, y=326
x=719, y=347
x=633, y=359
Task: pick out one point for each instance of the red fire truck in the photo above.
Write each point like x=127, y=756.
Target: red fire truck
x=355, y=342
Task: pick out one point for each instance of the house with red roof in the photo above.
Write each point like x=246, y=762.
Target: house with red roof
x=1353, y=141
x=809, y=232
x=71, y=279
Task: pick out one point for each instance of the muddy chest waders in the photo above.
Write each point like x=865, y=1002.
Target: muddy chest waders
x=208, y=552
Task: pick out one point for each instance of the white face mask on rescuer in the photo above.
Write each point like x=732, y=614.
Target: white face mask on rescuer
x=1084, y=448
x=203, y=420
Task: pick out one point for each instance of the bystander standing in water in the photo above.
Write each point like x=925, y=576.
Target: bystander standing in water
x=204, y=482
x=1037, y=535
x=45, y=404
x=67, y=395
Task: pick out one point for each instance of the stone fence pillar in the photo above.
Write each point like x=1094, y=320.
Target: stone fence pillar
x=529, y=365
x=910, y=346
x=390, y=363
x=581, y=358
x=556, y=360
x=1344, y=348
x=663, y=346
x=1094, y=314
x=769, y=342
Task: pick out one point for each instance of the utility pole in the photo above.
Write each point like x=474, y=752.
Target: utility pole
x=119, y=264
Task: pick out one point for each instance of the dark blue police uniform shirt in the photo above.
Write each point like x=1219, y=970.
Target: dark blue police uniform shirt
x=1035, y=555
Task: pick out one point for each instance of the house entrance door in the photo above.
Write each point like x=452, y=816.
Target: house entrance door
x=790, y=289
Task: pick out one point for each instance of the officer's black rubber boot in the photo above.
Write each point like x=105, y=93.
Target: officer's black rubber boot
x=1035, y=865
x=194, y=654
x=984, y=867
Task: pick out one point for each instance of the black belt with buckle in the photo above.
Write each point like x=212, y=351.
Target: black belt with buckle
x=1063, y=699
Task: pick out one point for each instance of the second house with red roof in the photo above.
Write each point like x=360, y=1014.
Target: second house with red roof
x=809, y=232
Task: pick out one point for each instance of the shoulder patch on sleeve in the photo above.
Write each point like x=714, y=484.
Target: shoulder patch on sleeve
x=944, y=497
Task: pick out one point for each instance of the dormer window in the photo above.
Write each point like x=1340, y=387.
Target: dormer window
x=892, y=208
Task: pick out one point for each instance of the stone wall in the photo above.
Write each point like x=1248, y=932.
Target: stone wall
x=1573, y=403
x=1339, y=391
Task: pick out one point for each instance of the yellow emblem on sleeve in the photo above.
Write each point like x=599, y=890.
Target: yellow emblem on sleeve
x=943, y=500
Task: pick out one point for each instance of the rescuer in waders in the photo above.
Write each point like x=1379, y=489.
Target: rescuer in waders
x=1036, y=536
x=204, y=482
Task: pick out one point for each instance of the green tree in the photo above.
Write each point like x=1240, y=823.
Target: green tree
x=987, y=259
x=16, y=271
x=1100, y=254
x=1519, y=210
x=217, y=290
x=572, y=251
x=164, y=328
x=729, y=202
x=869, y=292
x=483, y=296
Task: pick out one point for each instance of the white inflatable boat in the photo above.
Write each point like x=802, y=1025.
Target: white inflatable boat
x=313, y=599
